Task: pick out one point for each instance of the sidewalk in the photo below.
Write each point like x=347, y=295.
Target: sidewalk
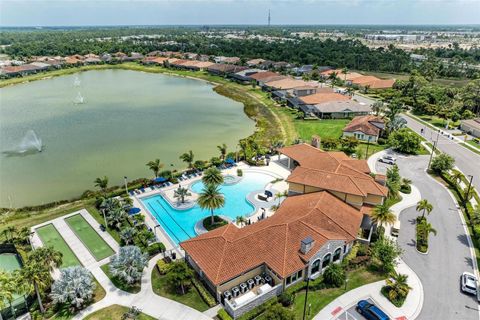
x=414, y=302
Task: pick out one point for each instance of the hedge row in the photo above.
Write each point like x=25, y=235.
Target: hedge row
x=206, y=296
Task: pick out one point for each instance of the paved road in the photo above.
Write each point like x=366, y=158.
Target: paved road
x=449, y=254
x=468, y=161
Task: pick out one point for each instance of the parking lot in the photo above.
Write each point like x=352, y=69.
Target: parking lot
x=351, y=313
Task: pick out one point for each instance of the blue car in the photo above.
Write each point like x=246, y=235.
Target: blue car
x=370, y=311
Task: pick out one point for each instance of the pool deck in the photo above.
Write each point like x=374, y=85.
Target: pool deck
x=274, y=169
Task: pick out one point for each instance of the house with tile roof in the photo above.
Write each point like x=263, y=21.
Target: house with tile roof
x=366, y=128
x=330, y=197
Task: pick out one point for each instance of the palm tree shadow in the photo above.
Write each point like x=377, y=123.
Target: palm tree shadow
x=463, y=239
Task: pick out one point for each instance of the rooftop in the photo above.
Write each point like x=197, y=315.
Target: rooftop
x=365, y=124
x=322, y=97
x=226, y=252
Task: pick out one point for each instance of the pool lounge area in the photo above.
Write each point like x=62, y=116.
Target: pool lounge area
x=179, y=224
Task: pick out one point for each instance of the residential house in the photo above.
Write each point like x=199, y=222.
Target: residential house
x=262, y=77
x=314, y=227
x=338, y=109
x=244, y=75
x=227, y=60
x=224, y=69
x=366, y=128
x=373, y=82
x=322, y=95
x=254, y=62
x=471, y=127
x=22, y=70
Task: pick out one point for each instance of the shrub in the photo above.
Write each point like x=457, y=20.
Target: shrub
x=381, y=141
x=442, y=163
x=334, y=275
x=75, y=287
x=155, y=248
x=206, y=296
x=286, y=299
x=404, y=141
x=405, y=188
x=277, y=312
x=239, y=172
x=162, y=266
x=223, y=315
x=128, y=264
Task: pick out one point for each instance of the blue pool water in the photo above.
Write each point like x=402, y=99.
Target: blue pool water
x=179, y=224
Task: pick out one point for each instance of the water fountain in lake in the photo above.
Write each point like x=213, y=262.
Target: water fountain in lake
x=29, y=144
x=79, y=99
x=77, y=82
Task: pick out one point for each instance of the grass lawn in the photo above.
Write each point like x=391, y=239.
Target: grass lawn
x=51, y=237
x=321, y=298
x=438, y=122
x=114, y=312
x=64, y=313
x=192, y=298
x=328, y=128
x=90, y=238
x=372, y=148
x=131, y=288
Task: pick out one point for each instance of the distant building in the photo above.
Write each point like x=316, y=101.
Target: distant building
x=471, y=127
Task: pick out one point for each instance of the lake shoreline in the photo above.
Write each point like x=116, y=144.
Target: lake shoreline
x=254, y=107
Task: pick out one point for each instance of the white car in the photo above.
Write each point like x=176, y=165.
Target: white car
x=469, y=283
x=387, y=159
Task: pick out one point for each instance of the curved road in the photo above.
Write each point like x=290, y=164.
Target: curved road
x=449, y=253
x=466, y=160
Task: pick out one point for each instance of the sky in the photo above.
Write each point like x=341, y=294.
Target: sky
x=211, y=12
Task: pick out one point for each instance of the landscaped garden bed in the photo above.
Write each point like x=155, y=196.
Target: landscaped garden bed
x=218, y=222
x=119, y=283
x=115, y=312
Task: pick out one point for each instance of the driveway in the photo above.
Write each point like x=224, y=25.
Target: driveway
x=449, y=254
x=467, y=161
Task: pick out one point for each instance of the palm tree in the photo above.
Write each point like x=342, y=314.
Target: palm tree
x=426, y=228
x=276, y=146
x=378, y=107
x=456, y=176
x=350, y=91
x=9, y=233
x=35, y=278
x=223, y=150
x=210, y=198
x=398, y=286
x=116, y=217
x=280, y=195
x=333, y=78
x=128, y=264
x=382, y=214
x=181, y=193
x=423, y=205
x=345, y=72
x=102, y=183
x=212, y=176
x=240, y=220
x=155, y=166
x=244, y=147
x=127, y=235
x=75, y=286
x=8, y=286
x=188, y=158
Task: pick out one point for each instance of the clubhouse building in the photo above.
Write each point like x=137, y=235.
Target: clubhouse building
x=330, y=198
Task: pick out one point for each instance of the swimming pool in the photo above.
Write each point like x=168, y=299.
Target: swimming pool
x=180, y=224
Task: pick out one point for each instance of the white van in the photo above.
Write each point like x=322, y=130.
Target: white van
x=395, y=229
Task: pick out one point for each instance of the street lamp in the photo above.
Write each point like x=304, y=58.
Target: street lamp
x=431, y=155
x=104, y=218
x=465, y=198
x=306, y=297
x=346, y=283
x=126, y=188
x=368, y=144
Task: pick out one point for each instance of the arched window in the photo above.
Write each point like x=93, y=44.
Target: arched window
x=315, y=267
x=336, y=254
x=326, y=260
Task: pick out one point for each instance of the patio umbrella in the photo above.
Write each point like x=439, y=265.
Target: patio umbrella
x=230, y=161
x=159, y=180
x=134, y=210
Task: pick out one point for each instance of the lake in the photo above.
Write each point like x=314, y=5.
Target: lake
x=127, y=118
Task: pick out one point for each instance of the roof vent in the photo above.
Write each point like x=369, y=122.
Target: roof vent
x=306, y=244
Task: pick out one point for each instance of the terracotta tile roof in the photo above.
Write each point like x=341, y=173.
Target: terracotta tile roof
x=322, y=97
x=255, y=62
x=227, y=252
x=264, y=75
x=331, y=171
x=373, y=82
x=364, y=124
x=287, y=83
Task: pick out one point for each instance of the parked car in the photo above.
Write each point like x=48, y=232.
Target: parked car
x=395, y=228
x=370, y=311
x=469, y=283
x=388, y=159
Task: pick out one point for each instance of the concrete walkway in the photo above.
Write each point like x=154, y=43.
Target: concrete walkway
x=150, y=303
